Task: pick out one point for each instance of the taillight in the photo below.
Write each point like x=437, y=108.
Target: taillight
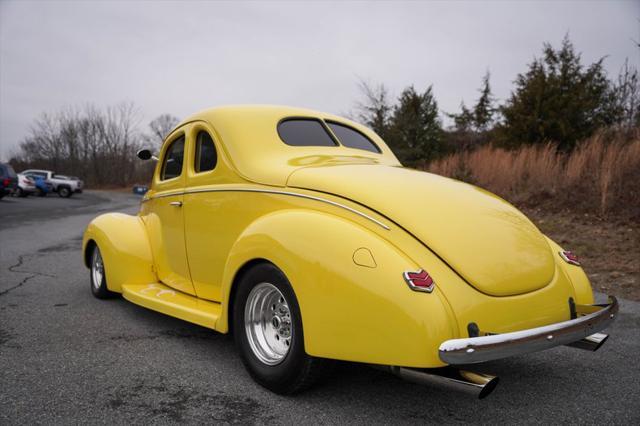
x=6, y=182
x=419, y=280
x=570, y=258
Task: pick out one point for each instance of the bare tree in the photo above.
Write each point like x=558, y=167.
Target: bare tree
x=98, y=145
x=374, y=110
x=627, y=90
x=160, y=128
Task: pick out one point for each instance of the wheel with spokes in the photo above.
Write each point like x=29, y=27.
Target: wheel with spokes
x=98, y=276
x=268, y=331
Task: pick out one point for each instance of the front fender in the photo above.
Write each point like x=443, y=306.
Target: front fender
x=349, y=312
x=125, y=249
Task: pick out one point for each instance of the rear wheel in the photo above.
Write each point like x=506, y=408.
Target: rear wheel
x=98, y=276
x=269, y=335
x=64, y=192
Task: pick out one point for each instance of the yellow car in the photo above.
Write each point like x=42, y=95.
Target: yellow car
x=302, y=234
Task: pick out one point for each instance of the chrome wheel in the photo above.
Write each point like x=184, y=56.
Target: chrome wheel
x=97, y=268
x=267, y=323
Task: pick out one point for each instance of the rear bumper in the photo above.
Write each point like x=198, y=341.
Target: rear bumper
x=591, y=319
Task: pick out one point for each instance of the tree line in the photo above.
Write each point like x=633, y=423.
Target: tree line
x=556, y=100
x=98, y=145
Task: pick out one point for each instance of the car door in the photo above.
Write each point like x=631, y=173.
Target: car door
x=211, y=227
x=164, y=217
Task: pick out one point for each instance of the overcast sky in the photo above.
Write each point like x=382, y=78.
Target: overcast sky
x=182, y=57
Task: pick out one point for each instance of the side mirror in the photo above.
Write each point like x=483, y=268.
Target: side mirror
x=145, y=154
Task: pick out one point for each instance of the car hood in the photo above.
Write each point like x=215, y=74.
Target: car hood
x=487, y=241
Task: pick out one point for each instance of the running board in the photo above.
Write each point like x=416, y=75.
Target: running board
x=161, y=298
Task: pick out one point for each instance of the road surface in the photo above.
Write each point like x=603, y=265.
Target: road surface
x=66, y=357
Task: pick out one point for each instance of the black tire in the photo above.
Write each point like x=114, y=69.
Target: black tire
x=64, y=191
x=19, y=192
x=40, y=193
x=297, y=370
x=98, y=283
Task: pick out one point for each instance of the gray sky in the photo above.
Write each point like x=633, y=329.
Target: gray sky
x=182, y=57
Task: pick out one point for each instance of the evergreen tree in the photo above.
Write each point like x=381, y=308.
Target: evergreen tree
x=559, y=100
x=481, y=117
x=463, y=122
x=484, y=109
x=416, y=130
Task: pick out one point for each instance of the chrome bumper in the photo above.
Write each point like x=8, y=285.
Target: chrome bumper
x=591, y=319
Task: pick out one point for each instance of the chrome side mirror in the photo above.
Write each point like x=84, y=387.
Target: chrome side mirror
x=145, y=154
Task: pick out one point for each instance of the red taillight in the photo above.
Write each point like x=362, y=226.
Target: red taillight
x=419, y=280
x=6, y=182
x=569, y=257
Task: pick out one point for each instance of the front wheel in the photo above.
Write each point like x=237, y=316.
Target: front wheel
x=268, y=332
x=98, y=276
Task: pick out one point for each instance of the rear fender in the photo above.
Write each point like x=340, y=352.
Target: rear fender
x=579, y=280
x=124, y=246
x=349, y=312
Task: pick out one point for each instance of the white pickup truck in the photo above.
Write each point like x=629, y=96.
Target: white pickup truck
x=63, y=185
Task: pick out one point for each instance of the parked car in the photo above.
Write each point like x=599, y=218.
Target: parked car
x=26, y=186
x=8, y=179
x=63, y=185
x=302, y=234
x=140, y=189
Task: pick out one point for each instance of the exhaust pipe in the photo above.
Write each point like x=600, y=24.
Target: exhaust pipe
x=478, y=384
x=590, y=343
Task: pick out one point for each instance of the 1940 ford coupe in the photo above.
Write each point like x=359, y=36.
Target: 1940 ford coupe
x=302, y=234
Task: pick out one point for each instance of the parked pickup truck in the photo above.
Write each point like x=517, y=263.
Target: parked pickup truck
x=63, y=185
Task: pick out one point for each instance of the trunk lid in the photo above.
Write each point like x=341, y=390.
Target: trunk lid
x=487, y=241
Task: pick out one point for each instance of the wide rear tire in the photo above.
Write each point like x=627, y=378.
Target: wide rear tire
x=268, y=331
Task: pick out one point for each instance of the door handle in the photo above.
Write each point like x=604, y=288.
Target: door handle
x=176, y=203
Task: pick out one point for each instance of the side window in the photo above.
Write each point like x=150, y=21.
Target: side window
x=206, y=156
x=304, y=132
x=352, y=138
x=173, y=158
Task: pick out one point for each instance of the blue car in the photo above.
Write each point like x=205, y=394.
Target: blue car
x=140, y=189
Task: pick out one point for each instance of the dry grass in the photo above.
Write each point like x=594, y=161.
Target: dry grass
x=601, y=176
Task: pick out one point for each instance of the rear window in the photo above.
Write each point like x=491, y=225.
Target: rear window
x=352, y=138
x=304, y=132
x=206, y=157
x=8, y=171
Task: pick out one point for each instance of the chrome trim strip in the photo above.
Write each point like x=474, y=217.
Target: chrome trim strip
x=487, y=348
x=276, y=192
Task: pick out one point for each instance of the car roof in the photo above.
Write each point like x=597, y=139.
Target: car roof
x=36, y=170
x=251, y=141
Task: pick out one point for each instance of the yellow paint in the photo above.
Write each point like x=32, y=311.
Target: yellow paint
x=320, y=214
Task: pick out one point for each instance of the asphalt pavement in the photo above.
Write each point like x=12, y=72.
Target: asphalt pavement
x=66, y=357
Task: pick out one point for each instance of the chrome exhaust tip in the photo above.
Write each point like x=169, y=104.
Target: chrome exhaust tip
x=477, y=384
x=590, y=343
